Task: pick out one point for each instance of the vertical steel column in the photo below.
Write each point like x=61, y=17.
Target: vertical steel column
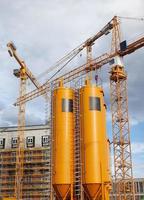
x=121, y=134
x=20, y=148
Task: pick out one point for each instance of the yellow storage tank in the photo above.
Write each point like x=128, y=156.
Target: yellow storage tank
x=95, y=156
x=63, y=133
x=9, y=198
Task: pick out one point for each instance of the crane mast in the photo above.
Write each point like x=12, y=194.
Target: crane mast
x=120, y=122
x=23, y=74
x=20, y=148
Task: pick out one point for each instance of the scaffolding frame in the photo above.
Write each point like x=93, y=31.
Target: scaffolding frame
x=36, y=173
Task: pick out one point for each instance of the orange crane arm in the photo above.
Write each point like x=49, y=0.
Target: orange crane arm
x=12, y=52
x=133, y=47
x=96, y=64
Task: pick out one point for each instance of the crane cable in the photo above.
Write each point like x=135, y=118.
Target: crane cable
x=62, y=67
x=132, y=18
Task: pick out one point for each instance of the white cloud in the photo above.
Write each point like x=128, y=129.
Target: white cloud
x=138, y=158
x=9, y=117
x=138, y=171
x=138, y=147
x=133, y=121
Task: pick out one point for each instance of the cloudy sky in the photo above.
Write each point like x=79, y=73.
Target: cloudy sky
x=45, y=30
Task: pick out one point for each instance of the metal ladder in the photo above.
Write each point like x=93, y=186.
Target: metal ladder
x=77, y=150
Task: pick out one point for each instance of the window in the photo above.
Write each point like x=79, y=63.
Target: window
x=2, y=143
x=45, y=140
x=123, y=45
x=94, y=103
x=67, y=105
x=141, y=187
x=30, y=141
x=14, y=142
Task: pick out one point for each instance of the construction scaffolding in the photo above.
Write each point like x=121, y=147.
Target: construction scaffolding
x=36, y=179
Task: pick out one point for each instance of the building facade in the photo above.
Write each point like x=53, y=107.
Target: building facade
x=139, y=189
x=36, y=162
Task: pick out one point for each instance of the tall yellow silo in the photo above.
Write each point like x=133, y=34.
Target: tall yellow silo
x=63, y=132
x=94, y=144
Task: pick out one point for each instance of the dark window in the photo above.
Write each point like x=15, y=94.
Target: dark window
x=141, y=187
x=2, y=143
x=45, y=140
x=30, y=141
x=67, y=105
x=94, y=103
x=123, y=45
x=112, y=61
x=14, y=142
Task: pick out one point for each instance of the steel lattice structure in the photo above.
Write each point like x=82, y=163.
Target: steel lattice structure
x=121, y=134
x=20, y=149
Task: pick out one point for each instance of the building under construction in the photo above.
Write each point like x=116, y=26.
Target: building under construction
x=70, y=158
x=36, y=162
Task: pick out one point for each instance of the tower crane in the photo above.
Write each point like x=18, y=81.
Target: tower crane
x=121, y=134
x=120, y=120
x=23, y=73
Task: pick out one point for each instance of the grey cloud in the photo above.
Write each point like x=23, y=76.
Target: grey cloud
x=2, y=106
x=33, y=119
x=9, y=117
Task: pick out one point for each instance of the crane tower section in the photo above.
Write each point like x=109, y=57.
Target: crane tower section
x=121, y=132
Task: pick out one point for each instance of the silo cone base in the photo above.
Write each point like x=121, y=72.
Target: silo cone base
x=93, y=190
x=62, y=190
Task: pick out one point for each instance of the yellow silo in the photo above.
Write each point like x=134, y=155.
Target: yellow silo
x=8, y=198
x=95, y=156
x=63, y=132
